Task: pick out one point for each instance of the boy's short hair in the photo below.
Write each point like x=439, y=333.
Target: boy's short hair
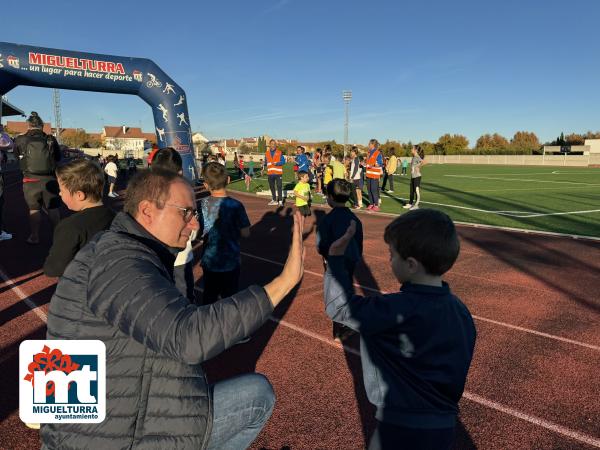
x=427, y=235
x=215, y=175
x=82, y=175
x=301, y=173
x=339, y=190
x=167, y=159
x=151, y=185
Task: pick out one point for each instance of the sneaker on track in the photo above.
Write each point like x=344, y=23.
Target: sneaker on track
x=407, y=206
x=272, y=203
x=4, y=236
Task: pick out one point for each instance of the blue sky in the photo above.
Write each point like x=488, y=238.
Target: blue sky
x=417, y=69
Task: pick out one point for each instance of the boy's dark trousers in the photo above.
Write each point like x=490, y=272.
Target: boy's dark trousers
x=388, y=436
x=216, y=284
x=276, y=179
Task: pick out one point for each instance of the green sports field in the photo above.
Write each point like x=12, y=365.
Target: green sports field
x=556, y=199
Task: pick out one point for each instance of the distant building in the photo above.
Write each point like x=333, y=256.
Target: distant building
x=129, y=140
x=594, y=145
x=15, y=128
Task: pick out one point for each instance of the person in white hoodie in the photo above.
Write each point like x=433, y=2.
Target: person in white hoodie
x=111, y=171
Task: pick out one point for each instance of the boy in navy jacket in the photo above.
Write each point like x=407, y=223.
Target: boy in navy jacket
x=416, y=344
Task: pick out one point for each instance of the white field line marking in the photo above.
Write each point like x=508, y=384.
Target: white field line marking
x=523, y=179
x=466, y=224
x=536, y=189
x=558, y=429
x=485, y=319
x=555, y=172
x=30, y=303
x=516, y=214
x=576, y=435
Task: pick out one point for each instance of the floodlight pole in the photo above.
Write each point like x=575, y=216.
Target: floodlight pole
x=347, y=96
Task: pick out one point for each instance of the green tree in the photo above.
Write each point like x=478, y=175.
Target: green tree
x=592, y=135
x=262, y=145
x=574, y=139
x=76, y=140
x=451, y=144
x=428, y=147
x=525, y=142
x=491, y=143
x=391, y=148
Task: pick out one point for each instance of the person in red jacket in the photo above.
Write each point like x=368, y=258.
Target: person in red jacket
x=274, y=161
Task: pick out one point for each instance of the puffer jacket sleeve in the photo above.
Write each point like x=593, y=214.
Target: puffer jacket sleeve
x=130, y=290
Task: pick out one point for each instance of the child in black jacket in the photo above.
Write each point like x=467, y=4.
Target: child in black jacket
x=416, y=344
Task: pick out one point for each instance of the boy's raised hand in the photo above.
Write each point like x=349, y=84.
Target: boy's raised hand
x=338, y=248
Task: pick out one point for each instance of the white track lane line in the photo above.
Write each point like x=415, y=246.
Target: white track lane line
x=551, y=426
x=483, y=319
x=581, y=437
x=24, y=297
x=558, y=429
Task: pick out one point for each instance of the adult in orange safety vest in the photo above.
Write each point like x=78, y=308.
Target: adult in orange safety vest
x=274, y=161
x=374, y=171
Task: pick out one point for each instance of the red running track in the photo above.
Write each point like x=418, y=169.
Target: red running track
x=533, y=382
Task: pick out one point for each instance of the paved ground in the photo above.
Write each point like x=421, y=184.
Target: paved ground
x=532, y=384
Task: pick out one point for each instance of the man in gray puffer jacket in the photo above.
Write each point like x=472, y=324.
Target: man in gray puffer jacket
x=120, y=289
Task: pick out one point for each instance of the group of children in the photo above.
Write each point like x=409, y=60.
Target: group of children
x=416, y=344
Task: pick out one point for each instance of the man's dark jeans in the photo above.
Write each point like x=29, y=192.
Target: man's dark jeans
x=276, y=180
x=373, y=188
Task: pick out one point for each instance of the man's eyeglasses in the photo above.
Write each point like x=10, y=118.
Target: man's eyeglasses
x=188, y=213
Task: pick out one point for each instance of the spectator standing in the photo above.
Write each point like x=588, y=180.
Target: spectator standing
x=302, y=160
x=111, y=170
x=318, y=168
x=417, y=161
x=274, y=162
x=38, y=154
x=373, y=173
x=250, y=173
x=81, y=183
x=236, y=164
x=6, y=144
x=404, y=165
x=390, y=169
x=224, y=222
x=338, y=170
x=356, y=178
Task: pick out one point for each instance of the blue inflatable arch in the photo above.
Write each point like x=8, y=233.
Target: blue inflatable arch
x=64, y=69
